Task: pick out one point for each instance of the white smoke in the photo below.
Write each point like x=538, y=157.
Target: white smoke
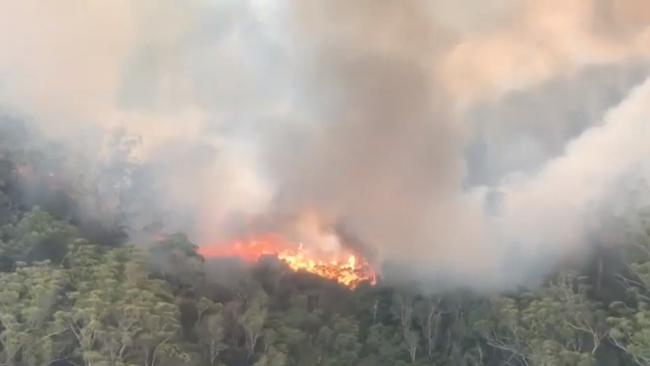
x=379, y=122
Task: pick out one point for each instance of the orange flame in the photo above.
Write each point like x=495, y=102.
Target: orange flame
x=345, y=268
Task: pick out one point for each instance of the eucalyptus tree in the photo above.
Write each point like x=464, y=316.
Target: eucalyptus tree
x=30, y=334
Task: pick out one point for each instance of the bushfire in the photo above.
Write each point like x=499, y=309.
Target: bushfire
x=345, y=268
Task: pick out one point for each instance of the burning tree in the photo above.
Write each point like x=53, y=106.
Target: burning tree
x=344, y=267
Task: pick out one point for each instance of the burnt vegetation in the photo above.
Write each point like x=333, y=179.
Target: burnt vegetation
x=74, y=291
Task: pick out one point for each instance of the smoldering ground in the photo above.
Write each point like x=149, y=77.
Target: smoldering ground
x=432, y=132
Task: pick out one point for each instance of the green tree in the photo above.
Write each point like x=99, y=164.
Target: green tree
x=29, y=332
x=428, y=315
x=37, y=236
x=383, y=345
x=119, y=315
x=175, y=259
x=630, y=330
x=630, y=320
x=404, y=310
x=211, y=330
x=338, y=343
x=252, y=319
x=558, y=325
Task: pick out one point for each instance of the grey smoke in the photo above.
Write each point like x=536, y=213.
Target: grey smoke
x=449, y=139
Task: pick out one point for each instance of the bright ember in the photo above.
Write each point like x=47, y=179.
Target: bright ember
x=345, y=268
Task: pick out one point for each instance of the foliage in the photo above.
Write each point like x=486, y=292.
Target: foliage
x=67, y=301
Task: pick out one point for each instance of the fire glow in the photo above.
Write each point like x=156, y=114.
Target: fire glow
x=345, y=268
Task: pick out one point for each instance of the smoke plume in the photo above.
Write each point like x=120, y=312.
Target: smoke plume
x=452, y=140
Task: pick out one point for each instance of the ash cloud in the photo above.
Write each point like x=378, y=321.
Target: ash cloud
x=451, y=140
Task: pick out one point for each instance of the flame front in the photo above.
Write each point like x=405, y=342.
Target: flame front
x=345, y=268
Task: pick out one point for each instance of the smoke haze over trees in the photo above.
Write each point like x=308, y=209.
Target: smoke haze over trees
x=73, y=292
x=489, y=159
x=445, y=137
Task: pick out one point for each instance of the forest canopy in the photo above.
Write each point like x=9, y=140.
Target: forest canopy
x=74, y=291
x=325, y=183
